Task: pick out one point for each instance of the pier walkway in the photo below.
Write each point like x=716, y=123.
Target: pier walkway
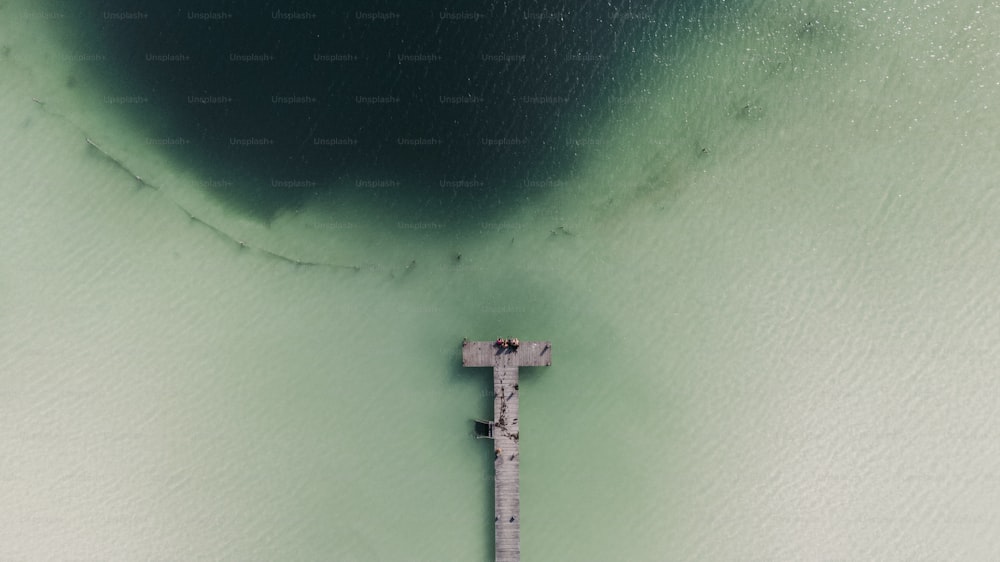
x=505, y=431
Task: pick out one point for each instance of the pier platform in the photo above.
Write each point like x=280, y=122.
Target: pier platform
x=505, y=431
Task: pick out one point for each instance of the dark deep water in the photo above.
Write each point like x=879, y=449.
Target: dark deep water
x=434, y=104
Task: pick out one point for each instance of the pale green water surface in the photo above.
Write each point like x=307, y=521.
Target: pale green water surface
x=782, y=348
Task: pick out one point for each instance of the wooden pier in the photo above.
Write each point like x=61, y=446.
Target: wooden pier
x=505, y=431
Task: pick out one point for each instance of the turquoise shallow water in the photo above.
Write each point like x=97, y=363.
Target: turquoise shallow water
x=781, y=347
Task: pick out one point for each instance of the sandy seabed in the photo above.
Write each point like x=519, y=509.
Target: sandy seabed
x=772, y=297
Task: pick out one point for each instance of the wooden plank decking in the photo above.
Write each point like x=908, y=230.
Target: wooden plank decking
x=506, y=432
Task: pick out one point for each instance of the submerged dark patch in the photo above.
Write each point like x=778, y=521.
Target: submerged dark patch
x=432, y=102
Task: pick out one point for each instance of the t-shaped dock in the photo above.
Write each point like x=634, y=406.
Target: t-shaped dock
x=505, y=431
